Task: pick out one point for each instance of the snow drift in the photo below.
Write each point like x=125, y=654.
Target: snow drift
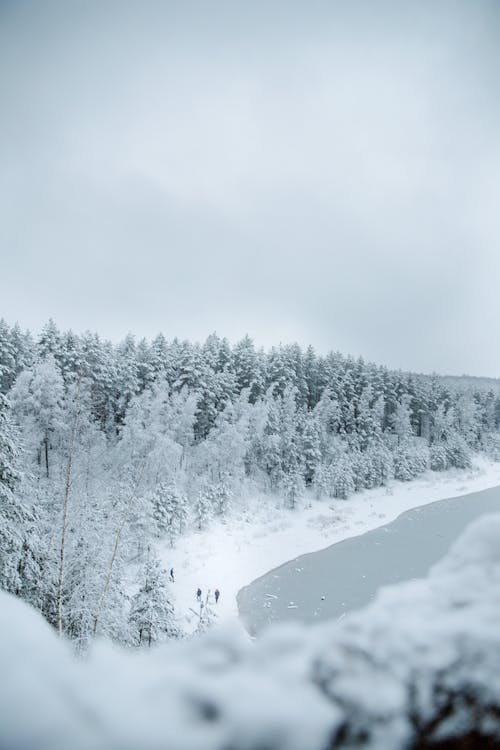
x=418, y=668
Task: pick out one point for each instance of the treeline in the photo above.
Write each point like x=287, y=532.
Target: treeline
x=104, y=448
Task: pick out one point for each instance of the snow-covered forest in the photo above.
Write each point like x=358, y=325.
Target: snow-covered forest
x=106, y=449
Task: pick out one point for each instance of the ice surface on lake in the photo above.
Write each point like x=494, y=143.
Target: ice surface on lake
x=347, y=575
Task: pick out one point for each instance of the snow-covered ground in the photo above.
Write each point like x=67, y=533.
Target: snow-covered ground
x=230, y=555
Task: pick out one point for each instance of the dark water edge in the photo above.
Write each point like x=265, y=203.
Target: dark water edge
x=327, y=584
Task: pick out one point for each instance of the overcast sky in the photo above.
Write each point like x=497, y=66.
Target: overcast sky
x=326, y=172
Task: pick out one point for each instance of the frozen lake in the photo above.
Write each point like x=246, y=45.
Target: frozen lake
x=327, y=584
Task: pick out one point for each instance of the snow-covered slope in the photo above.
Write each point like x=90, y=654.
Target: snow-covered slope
x=421, y=663
x=228, y=555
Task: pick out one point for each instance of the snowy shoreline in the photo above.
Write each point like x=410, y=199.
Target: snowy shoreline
x=230, y=555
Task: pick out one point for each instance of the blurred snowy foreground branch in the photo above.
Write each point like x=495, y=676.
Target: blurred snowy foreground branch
x=419, y=668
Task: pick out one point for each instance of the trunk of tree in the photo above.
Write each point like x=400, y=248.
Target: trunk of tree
x=46, y=445
x=109, y=572
x=67, y=490
x=108, y=576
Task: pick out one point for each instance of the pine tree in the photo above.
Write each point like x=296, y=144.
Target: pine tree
x=169, y=510
x=49, y=344
x=203, y=508
x=401, y=421
x=271, y=441
x=15, y=519
x=126, y=381
x=311, y=447
x=7, y=358
x=159, y=359
x=342, y=478
x=292, y=486
x=145, y=371
x=312, y=377
x=247, y=368
x=223, y=495
x=151, y=616
x=70, y=357
x=322, y=481
x=37, y=400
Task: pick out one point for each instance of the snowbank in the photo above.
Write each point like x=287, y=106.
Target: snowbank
x=419, y=665
x=422, y=663
x=230, y=555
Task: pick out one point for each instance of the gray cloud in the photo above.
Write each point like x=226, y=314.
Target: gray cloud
x=326, y=173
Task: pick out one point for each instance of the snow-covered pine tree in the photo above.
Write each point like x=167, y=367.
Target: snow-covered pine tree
x=7, y=358
x=70, y=357
x=49, y=343
x=401, y=421
x=271, y=443
x=247, y=368
x=126, y=377
x=223, y=495
x=322, y=481
x=169, y=510
x=311, y=446
x=292, y=486
x=152, y=617
x=342, y=477
x=15, y=519
x=145, y=371
x=203, y=508
x=37, y=402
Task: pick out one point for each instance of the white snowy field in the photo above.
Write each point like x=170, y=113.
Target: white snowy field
x=229, y=555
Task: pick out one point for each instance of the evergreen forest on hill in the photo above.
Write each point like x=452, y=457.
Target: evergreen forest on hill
x=106, y=448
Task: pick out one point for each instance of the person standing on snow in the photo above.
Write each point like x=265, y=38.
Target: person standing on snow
x=217, y=594
x=198, y=595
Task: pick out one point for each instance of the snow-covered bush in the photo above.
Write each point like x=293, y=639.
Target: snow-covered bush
x=454, y=451
x=438, y=457
x=491, y=445
x=458, y=452
x=372, y=467
x=342, y=479
x=410, y=460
